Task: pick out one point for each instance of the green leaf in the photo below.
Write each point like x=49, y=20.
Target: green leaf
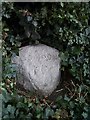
x=85, y=115
x=72, y=104
x=6, y=29
x=66, y=98
x=11, y=110
x=5, y=95
x=48, y=112
x=62, y=4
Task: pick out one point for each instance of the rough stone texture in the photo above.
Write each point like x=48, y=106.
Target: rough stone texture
x=39, y=68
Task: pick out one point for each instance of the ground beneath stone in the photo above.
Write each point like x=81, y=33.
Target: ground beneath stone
x=64, y=87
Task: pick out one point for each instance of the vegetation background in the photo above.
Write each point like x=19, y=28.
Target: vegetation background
x=64, y=26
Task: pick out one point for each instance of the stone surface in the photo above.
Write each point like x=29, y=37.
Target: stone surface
x=38, y=68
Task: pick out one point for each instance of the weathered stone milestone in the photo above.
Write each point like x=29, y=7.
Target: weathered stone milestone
x=38, y=68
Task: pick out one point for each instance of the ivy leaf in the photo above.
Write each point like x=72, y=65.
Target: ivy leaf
x=64, y=58
x=62, y=4
x=85, y=115
x=5, y=95
x=48, y=112
x=11, y=110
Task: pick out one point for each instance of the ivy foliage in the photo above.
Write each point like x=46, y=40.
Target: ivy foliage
x=64, y=26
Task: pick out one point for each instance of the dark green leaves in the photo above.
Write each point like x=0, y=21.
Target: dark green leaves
x=48, y=112
x=64, y=26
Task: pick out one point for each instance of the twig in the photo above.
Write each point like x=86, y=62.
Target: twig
x=85, y=95
x=73, y=83
x=72, y=96
x=68, y=89
x=59, y=90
